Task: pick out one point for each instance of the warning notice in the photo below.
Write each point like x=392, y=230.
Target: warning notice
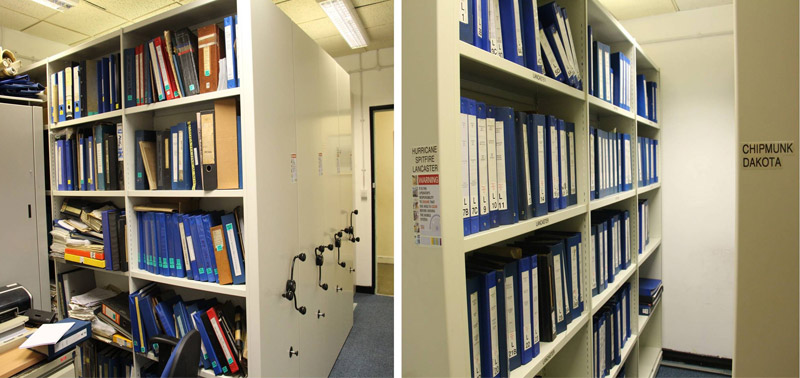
x=425, y=198
x=766, y=155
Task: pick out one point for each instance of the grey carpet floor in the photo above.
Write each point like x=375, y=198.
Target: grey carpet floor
x=369, y=349
x=671, y=372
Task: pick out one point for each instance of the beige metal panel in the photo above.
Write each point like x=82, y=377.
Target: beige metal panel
x=767, y=321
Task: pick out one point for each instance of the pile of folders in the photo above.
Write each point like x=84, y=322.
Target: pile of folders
x=200, y=154
x=646, y=102
x=102, y=360
x=609, y=74
x=91, y=234
x=610, y=163
x=89, y=158
x=648, y=162
x=650, y=290
x=172, y=66
x=85, y=88
x=537, y=280
x=156, y=312
x=611, y=331
x=539, y=38
x=514, y=165
x=610, y=247
x=201, y=246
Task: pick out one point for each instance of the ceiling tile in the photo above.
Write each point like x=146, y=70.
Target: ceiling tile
x=301, y=11
x=130, y=10
x=157, y=11
x=336, y=46
x=15, y=20
x=29, y=8
x=377, y=14
x=86, y=19
x=380, y=37
x=321, y=28
x=184, y=2
x=627, y=9
x=361, y=3
x=52, y=32
x=685, y=5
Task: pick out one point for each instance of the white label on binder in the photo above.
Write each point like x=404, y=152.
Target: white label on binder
x=537, y=38
x=591, y=162
x=229, y=46
x=293, y=168
x=91, y=164
x=627, y=161
x=479, y=20
x=554, y=160
x=184, y=246
x=535, y=292
x=592, y=262
x=623, y=329
x=511, y=324
x=558, y=282
x=319, y=164
x=483, y=168
x=473, y=165
x=190, y=245
x=548, y=52
x=627, y=242
x=174, y=159
x=527, y=175
x=180, y=156
x=602, y=349
x=465, y=164
x=564, y=56
x=518, y=29
x=69, y=341
x=562, y=136
x=525, y=283
x=233, y=249
x=476, y=335
x=542, y=173
x=225, y=348
x=604, y=253
x=495, y=29
x=573, y=252
x=463, y=12
x=80, y=166
x=500, y=154
x=494, y=330
x=99, y=159
x=572, y=184
x=491, y=153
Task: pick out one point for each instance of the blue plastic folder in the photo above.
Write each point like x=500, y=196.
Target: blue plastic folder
x=483, y=173
x=536, y=149
x=553, y=161
x=506, y=141
x=466, y=21
x=511, y=28
x=234, y=247
x=480, y=30
x=530, y=36
x=524, y=184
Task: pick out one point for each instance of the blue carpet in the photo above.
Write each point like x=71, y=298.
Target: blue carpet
x=671, y=372
x=369, y=349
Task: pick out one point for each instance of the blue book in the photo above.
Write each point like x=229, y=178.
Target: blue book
x=524, y=185
x=524, y=308
x=506, y=152
x=472, y=141
x=641, y=103
x=562, y=164
x=572, y=197
x=530, y=36
x=234, y=247
x=538, y=175
x=160, y=243
x=474, y=329
x=230, y=54
x=147, y=238
x=480, y=30
x=465, y=164
x=466, y=21
x=511, y=28
x=206, y=339
x=552, y=162
x=173, y=251
x=130, y=77
x=176, y=64
x=491, y=148
x=484, y=221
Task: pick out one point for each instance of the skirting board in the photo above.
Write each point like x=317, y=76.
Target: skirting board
x=384, y=259
x=699, y=360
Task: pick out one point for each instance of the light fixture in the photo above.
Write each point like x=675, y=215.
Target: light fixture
x=59, y=5
x=344, y=16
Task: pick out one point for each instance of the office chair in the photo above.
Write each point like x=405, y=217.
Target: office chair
x=184, y=354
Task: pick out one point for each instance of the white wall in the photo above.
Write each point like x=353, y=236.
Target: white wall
x=694, y=50
x=371, y=84
x=28, y=48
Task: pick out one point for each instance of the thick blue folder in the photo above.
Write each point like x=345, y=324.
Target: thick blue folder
x=511, y=27
x=536, y=140
x=70, y=164
x=524, y=314
x=206, y=339
x=233, y=78
x=480, y=30
x=234, y=248
x=160, y=250
x=562, y=164
x=193, y=272
x=114, y=82
x=625, y=234
x=209, y=250
x=534, y=303
x=652, y=109
x=491, y=147
x=524, y=184
x=473, y=288
x=530, y=36
x=181, y=179
x=166, y=315
x=572, y=198
x=174, y=235
x=507, y=192
x=641, y=104
x=627, y=159
x=466, y=21
x=489, y=367
x=645, y=164
x=509, y=327
x=552, y=161
x=149, y=238
x=105, y=98
x=617, y=65
x=199, y=249
x=557, y=249
x=484, y=221
x=147, y=315
x=551, y=33
x=465, y=195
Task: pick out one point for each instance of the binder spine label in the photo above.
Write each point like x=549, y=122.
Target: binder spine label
x=495, y=28
x=557, y=282
x=527, y=159
x=526, y=310
x=476, y=335
x=542, y=174
x=491, y=150
x=518, y=27
x=473, y=164
x=573, y=184
x=562, y=136
x=463, y=12
x=500, y=155
x=627, y=161
x=483, y=167
x=538, y=37
x=548, y=52
x=511, y=325
x=465, y=165
x=573, y=251
x=229, y=61
x=237, y=270
x=591, y=162
x=494, y=329
x=479, y=20
x=593, y=261
x=535, y=295
x=69, y=341
x=554, y=160
x=180, y=156
x=99, y=158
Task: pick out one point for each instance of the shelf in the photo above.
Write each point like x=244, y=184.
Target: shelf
x=646, y=122
x=498, y=234
x=234, y=290
x=88, y=119
x=233, y=193
x=548, y=350
x=22, y=99
x=87, y=193
x=607, y=108
x=600, y=299
x=649, y=249
x=108, y=342
x=648, y=188
x=643, y=319
x=623, y=356
x=77, y=265
x=649, y=361
x=184, y=101
x=480, y=66
x=610, y=200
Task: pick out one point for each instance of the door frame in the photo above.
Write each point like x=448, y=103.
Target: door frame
x=372, y=110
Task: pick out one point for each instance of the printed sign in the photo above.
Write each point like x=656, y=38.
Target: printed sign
x=765, y=155
x=425, y=199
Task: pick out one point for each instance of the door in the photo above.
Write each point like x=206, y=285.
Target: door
x=382, y=125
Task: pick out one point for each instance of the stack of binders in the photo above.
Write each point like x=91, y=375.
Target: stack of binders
x=95, y=359
x=199, y=246
x=611, y=331
x=609, y=74
x=648, y=161
x=176, y=159
x=85, y=88
x=89, y=158
x=610, y=247
x=646, y=98
x=609, y=163
x=155, y=312
x=644, y=224
x=180, y=64
x=515, y=165
x=649, y=295
x=90, y=234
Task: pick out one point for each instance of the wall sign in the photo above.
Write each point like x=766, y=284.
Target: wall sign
x=765, y=155
x=425, y=196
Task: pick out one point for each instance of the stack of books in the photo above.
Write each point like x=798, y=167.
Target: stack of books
x=649, y=295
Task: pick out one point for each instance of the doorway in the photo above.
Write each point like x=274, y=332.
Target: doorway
x=381, y=121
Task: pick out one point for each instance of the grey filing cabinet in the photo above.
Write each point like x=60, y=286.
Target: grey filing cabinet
x=23, y=224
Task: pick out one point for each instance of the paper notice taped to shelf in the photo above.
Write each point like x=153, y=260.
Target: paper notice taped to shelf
x=425, y=198
x=293, y=168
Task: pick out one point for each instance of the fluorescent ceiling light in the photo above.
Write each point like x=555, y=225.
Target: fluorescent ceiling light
x=59, y=5
x=344, y=16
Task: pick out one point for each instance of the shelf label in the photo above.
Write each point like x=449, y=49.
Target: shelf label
x=425, y=196
x=293, y=168
x=766, y=155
